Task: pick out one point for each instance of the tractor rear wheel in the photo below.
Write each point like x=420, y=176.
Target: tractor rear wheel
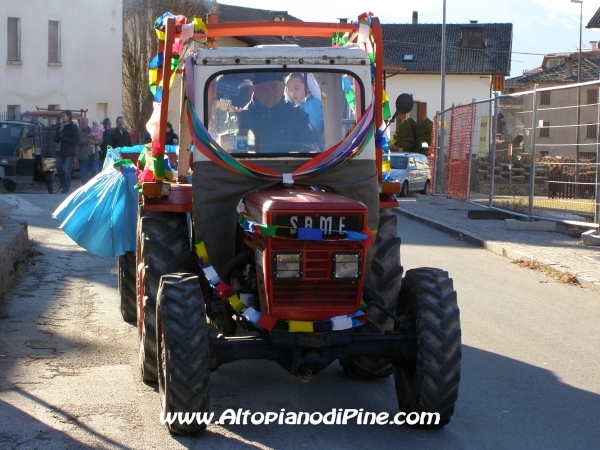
x=165, y=248
x=382, y=287
x=430, y=383
x=183, y=351
x=126, y=265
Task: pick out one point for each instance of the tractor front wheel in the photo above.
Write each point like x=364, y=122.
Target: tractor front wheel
x=183, y=351
x=165, y=248
x=430, y=383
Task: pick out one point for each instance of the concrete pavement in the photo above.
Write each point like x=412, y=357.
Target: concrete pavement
x=553, y=250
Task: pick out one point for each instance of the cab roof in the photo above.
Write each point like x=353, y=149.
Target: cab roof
x=283, y=54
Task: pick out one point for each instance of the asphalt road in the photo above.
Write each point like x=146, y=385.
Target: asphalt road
x=69, y=376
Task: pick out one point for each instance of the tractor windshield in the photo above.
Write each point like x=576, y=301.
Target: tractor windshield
x=282, y=113
x=10, y=135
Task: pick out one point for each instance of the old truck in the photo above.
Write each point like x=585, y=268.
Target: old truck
x=27, y=151
x=281, y=250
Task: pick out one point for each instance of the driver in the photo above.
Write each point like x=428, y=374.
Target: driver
x=275, y=123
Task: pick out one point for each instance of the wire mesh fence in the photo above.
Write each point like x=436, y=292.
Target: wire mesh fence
x=534, y=153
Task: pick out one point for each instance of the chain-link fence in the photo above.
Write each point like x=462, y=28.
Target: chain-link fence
x=533, y=153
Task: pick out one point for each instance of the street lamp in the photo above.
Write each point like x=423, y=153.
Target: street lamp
x=580, y=30
x=578, y=131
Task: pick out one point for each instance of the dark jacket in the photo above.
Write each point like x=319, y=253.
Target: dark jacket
x=67, y=137
x=170, y=136
x=83, y=147
x=277, y=129
x=119, y=138
x=105, y=142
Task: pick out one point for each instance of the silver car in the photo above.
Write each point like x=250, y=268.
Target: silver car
x=411, y=170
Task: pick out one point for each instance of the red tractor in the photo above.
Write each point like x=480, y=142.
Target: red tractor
x=283, y=244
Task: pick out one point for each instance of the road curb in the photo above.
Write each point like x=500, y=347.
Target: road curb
x=14, y=241
x=486, y=243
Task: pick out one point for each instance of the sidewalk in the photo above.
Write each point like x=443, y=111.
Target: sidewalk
x=557, y=251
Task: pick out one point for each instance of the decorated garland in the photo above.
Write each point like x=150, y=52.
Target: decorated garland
x=303, y=234
x=265, y=321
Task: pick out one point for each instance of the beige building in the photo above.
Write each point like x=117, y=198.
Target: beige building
x=63, y=54
x=564, y=123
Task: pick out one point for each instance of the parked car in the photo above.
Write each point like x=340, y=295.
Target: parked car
x=411, y=170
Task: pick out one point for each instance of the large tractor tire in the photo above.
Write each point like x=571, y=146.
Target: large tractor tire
x=430, y=384
x=183, y=350
x=126, y=265
x=165, y=248
x=383, y=287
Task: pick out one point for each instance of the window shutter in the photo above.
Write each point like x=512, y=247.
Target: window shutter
x=421, y=111
x=13, y=53
x=53, y=41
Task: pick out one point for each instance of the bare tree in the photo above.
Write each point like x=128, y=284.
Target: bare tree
x=139, y=47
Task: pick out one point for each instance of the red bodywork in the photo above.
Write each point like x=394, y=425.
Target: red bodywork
x=316, y=295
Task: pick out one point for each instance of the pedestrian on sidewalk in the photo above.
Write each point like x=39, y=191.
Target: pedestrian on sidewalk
x=84, y=152
x=119, y=137
x=67, y=137
x=105, y=140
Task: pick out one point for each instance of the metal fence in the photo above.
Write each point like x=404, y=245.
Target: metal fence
x=533, y=153
x=10, y=115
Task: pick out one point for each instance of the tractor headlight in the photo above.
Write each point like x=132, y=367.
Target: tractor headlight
x=288, y=266
x=346, y=265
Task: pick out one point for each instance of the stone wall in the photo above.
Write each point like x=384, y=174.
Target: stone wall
x=14, y=241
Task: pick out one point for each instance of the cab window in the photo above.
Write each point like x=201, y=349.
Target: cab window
x=411, y=163
x=281, y=113
x=27, y=143
x=10, y=135
x=419, y=163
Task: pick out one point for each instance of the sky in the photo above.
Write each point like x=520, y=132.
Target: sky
x=539, y=26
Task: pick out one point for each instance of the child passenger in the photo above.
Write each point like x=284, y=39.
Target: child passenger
x=302, y=95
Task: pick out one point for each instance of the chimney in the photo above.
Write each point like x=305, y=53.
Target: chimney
x=568, y=67
x=594, y=45
x=415, y=19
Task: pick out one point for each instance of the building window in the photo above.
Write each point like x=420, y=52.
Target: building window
x=592, y=96
x=101, y=110
x=13, y=40
x=591, y=132
x=53, y=41
x=13, y=112
x=545, y=98
x=472, y=37
x=545, y=130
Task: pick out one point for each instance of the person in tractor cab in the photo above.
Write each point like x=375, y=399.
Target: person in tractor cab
x=301, y=91
x=276, y=124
